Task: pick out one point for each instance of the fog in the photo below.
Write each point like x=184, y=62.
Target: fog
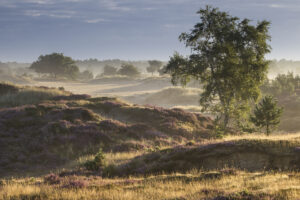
x=151, y=89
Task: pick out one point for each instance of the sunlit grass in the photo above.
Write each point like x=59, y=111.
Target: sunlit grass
x=261, y=136
x=193, y=185
x=30, y=95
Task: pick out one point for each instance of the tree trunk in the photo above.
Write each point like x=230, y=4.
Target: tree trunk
x=226, y=120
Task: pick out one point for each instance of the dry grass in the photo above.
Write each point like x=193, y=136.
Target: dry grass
x=30, y=95
x=260, y=136
x=193, y=185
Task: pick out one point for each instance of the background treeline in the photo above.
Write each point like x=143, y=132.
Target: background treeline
x=97, y=66
x=94, y=68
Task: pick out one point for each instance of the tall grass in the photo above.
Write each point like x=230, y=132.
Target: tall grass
x=29, y=95
x=193, y=185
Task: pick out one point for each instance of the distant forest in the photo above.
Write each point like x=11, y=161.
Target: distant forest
x=96, y=66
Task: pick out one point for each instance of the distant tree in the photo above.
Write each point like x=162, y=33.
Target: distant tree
x=267, y=114
x=129, y=70
x=86, y=75
x=109, y=70
x=154, y=65
x=283, y=85
x=228, y=59
x=56, y=64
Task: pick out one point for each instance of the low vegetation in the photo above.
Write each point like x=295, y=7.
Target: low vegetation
x=193, y=185
x=58, y=145
x=147, y=152
x=58, y=127
x=12, y=95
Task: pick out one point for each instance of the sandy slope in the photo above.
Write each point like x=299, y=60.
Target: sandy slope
x=158, y=92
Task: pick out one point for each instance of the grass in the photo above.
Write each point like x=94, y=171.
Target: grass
x=231, y=184
x=152, y=152
x=248, y=152
x=29, y=95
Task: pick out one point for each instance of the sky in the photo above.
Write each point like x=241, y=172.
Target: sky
x=129, y=29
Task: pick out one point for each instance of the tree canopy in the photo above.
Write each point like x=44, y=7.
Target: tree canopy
x=228, y=58
x=129, y=70
x=283, y=85
x=109, y=70
x=154, y=65
x=56, y=64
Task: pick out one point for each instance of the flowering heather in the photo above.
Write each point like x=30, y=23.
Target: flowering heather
x=52, y=179
x=72, y=97
x=52, y=133
x=111, y=125
x=75, y=184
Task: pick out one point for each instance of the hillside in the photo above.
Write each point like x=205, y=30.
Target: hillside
x=245, y=154
x=176, y=173
x=58, y=127
x=48, y=136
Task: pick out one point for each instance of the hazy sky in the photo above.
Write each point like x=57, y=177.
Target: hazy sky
x=129, y=29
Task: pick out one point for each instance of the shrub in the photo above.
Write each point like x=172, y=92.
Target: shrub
x=76, y=184
x=110, y=170
x=52, y=179
x=97, y=163
x=109, y=70
x=86, y=75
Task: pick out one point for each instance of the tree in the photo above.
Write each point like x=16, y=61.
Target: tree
x=129, y=70
x=86, y=75
x=283, y=85
x=154, y=65
x=56, y=64
x=267, y=114
x=109, y=70
x=228, y=59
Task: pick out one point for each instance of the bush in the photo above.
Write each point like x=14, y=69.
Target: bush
x=86, y=75
x=97, y=163
x=75, y=184
x=52, y=179
x=110, y=170
x=109, y=70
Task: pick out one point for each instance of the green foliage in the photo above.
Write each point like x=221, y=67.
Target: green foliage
x=283, y=85
x=228, y=60
x=86, y=75
x=109, y=70
x=56, y=64
x=97, y=163
x=267, y=114
x=154, y=65
x=129, y=70
x=163, y=70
